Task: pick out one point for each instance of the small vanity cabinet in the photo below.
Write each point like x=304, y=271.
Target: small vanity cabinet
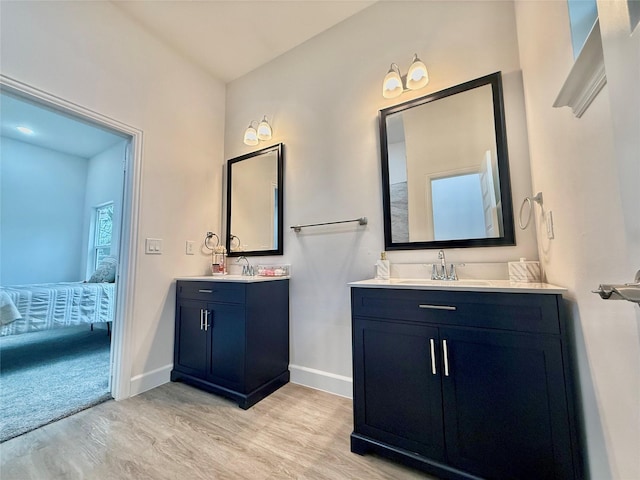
x=464, y=384
x=232, y=337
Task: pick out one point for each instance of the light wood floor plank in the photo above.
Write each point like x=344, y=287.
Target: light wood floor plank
x=178, y=432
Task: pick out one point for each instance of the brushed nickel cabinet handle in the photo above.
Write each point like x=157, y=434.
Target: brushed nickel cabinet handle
x=445, y=351
x=201, y=319
x=206, y=320
x=205, y=291
x=433, y=356
x=437, y=307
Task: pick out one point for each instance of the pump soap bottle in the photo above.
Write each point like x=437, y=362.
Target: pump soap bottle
x=382, y=267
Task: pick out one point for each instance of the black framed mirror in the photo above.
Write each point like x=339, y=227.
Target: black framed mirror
x=255, y=192
x=445, y=169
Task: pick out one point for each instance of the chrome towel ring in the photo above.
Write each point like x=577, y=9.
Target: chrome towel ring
x=529, y=201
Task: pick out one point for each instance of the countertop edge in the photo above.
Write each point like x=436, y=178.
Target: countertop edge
x=494, y=286
x=232, y=278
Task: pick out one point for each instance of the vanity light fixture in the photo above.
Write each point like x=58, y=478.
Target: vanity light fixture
x=252, y=135
x=395, y=84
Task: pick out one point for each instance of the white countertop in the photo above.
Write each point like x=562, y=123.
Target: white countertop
x=500, y=286
x=232, y=278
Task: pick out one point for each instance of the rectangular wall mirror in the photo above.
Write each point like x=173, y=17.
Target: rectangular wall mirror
x=445, y=169
x=255, y=202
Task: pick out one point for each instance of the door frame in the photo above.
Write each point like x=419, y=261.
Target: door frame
x=121, y=344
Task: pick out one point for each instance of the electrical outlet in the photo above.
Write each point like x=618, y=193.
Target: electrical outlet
x=189, y=248
x=548, y=220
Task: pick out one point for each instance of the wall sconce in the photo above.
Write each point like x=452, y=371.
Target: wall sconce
x=252, y=135
x=394, y=84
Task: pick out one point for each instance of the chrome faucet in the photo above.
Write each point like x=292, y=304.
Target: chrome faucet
x=443, y=263
x=248, y=268
x=440, y=272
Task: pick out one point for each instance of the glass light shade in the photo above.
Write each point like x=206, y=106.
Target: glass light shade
x=250, y=136
x=417, y=77
x=264, y=130
x=392, y=84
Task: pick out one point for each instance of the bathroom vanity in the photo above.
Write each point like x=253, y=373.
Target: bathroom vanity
x=464, y=380
x=232, y=335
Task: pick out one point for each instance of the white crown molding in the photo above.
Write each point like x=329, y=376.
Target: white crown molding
x=587, y=76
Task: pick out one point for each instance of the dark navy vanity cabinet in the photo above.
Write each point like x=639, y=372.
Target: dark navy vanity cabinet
x=232, y=338
x=464, y=384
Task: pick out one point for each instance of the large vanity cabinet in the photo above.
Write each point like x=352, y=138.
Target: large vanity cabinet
x=464, y=384
x=232, y=337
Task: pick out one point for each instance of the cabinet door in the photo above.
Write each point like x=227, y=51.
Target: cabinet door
x=191, y=339
x=226, y=325
x=397, y=395
x=505, y=406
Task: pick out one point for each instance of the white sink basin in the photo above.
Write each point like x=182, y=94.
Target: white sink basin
x=451, y=283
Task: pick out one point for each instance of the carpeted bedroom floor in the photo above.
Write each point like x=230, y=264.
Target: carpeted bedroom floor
x=45, y=376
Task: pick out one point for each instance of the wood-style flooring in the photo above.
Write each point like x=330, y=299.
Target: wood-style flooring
x=179, y=432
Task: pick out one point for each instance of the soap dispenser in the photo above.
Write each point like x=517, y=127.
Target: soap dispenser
x=382, y=267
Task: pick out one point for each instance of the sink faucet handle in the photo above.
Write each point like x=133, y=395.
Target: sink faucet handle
x=452, y=272
x=434, y=272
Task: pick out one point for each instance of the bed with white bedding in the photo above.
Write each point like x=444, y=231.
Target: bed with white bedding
x=54, y=305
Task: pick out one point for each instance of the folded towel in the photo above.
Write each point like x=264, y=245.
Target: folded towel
x=8, y=311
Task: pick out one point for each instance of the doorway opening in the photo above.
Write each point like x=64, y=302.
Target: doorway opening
x=69, y=201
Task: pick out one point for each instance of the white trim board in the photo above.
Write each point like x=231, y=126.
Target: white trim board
x=321, y=380
x=587, y=76
x=121, y=356
x=150, y=380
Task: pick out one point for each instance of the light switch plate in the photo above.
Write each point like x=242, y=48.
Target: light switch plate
x=548, y=220
x=189, y=247
x=153, y=246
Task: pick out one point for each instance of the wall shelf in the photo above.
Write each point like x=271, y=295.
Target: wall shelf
x=587, y=76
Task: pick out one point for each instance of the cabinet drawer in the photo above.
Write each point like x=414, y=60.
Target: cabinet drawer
x=221, y=292
x=505, y=311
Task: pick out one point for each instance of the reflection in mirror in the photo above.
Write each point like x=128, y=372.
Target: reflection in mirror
x=445, y=169
x=254, y=203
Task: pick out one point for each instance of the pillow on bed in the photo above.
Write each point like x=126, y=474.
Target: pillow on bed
x=106, y=271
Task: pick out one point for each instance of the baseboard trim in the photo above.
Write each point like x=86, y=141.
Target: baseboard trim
x=309, y=377
x=321, y=380
x=149, y=380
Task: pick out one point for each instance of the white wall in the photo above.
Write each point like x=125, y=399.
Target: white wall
x=574, y=163
x=105, y=182
x=42, y=198
x=324, y=98
x=91, y=54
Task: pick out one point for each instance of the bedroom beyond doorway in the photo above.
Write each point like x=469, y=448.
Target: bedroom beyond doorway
x=61, y=208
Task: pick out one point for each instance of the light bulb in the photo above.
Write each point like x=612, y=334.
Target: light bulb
x=264, y=130
x=392, y=84
x=250, y=136
x=417, y=77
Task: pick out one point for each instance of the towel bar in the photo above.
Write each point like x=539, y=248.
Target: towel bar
x=361, y=221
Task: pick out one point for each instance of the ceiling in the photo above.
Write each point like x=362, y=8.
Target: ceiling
x=52, y=129
x=227, y=38
x=230, y=38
